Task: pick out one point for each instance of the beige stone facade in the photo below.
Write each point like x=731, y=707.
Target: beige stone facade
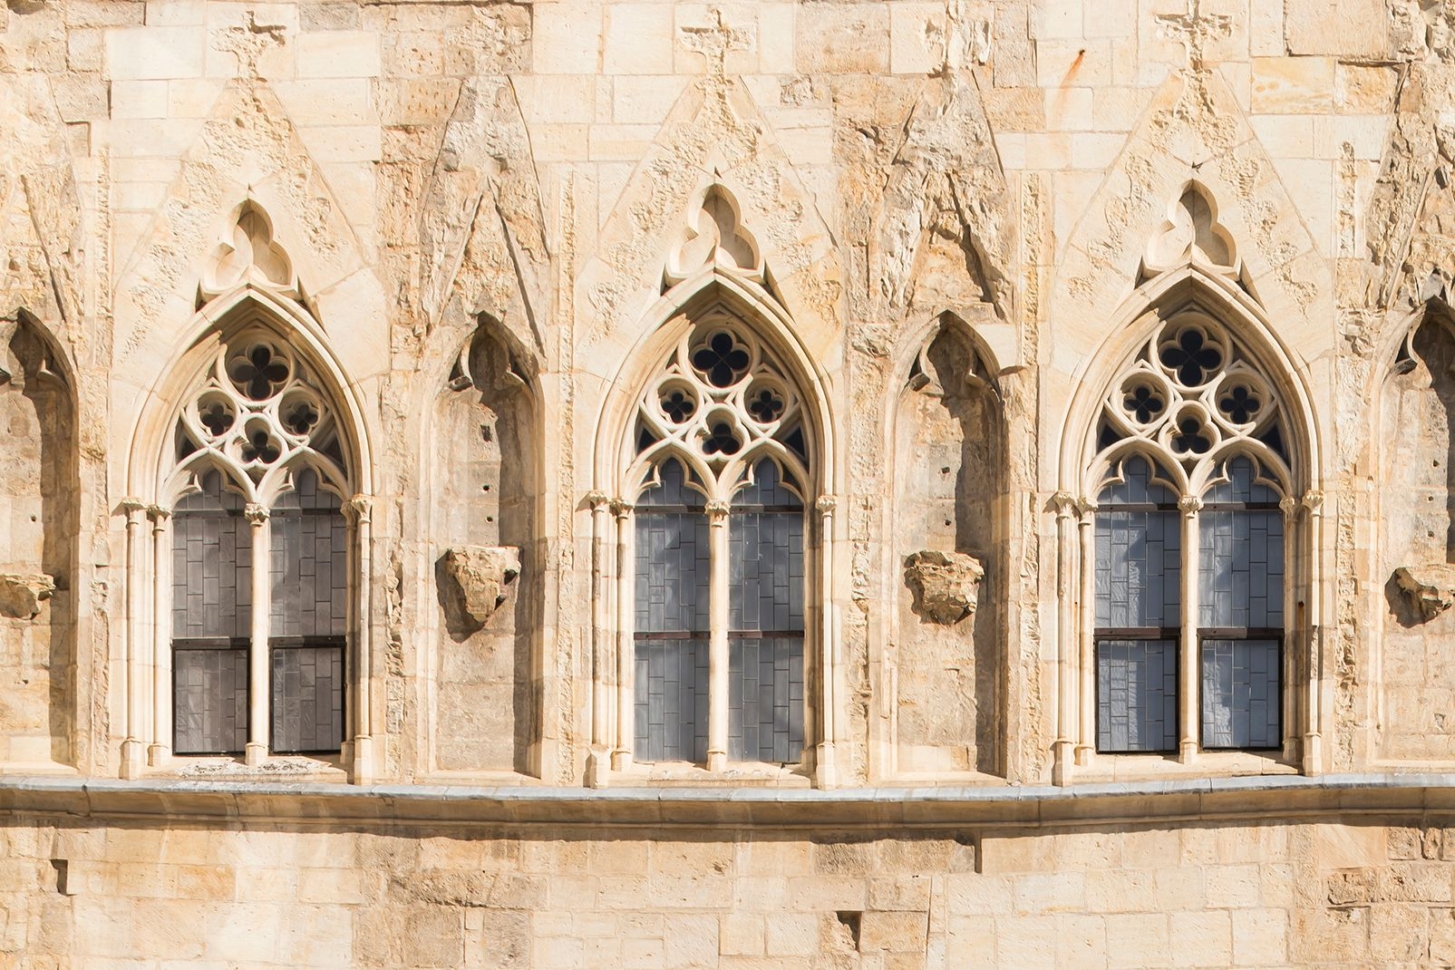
x=439, y=299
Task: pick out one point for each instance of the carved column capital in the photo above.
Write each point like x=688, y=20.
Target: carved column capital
x=1189, y=505
x=132, y=509
x=1086, y=509
x=1313, y=500
x=621, y=508
x=827, y=504
x=159, y=516
x=1289, y=505
x=255, y=514
x=717, y=511
x=359, y=508
x=597, y=499
x=1063, y=503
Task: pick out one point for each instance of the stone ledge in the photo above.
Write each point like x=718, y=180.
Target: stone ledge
x=863, y=809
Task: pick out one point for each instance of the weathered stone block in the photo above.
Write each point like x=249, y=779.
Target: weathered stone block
x=1429, y=589
x=22, y=594
x=946, y=585
x=474, y=581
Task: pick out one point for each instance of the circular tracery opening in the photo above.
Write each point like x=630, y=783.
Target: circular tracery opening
x=259, y=371
x=721, y=359
x=1191, y=355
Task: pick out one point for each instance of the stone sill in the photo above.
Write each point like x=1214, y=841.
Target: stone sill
x=1223, y=800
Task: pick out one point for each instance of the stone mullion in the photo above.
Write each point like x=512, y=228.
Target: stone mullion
x=1312, y=580
x=259, y=696
x=825, y=761
x=718, y=647
x=1188, y=661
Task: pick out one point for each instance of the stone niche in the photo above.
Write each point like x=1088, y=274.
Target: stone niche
x=1417, y=544
x=487, y=587
x=39, y=522
x=948, y=474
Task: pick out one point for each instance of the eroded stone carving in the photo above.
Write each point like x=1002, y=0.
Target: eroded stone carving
x=946, y=585
x=478, y=577
x=21, y=594
x=716, y=236
x=1430, y=589
x=250, y=253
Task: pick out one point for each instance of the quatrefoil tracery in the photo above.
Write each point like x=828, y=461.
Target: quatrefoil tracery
x=1193, y=396
x=256, y=411
x=720, y=397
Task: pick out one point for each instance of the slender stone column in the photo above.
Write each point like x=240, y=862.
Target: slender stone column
x=161, y=746
x=133, y=751
x=259, y=681
x=1313, y=755
x=621, y=756
x=359, y=513
x=825, y=761
x=717, y=648
x=1066, y=651
x=1086, y=526
x=1189, y=663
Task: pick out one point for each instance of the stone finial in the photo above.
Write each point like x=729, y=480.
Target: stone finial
x=476, y=580
x=946, y=585
x=20, y=595
x=1430, y=589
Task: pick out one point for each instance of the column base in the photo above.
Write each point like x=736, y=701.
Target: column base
x=598, y=768
x=362, y=768
x=133, y=758
x=825, y=766
x=717, y=761
x=158, y=755
x=1187, y=752
x=1085, y=755
x=621, y=760
x=1313, y=754
x=1063, y=765
x=254, y=754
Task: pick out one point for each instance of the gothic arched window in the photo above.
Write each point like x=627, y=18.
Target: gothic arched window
x=260, y=558
x=1187, y=559
x=719, y=558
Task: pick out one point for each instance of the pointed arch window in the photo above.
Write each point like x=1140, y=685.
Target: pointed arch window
x=721, y=451
x=260, y=559
x=1186, y=568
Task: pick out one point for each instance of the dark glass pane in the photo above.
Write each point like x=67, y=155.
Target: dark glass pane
x=1241, y=486
x=1138, y=569
x=212, y=556
x=671, y=700
x=765, y=699
x=1136, y=695
x=766, y=590
x=671, y=559
x=309, y=567
x=210, y=700
x=1241, y=696
x=308, y=698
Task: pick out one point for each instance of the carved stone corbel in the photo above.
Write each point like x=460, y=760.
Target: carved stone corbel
x=21, y=594
x=1429, y=589
x=474, y=581
x=946, y=585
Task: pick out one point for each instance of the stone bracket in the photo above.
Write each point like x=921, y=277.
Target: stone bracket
x=1429, y=589
x=21, y=594
x=475, y=580
x=946, y=585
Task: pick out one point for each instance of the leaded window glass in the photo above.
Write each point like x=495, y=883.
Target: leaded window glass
x=211, y=619
x=259, y=469
x=721, y=443
x=1192, y=506
x=1138, y=611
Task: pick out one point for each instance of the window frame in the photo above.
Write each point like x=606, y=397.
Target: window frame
x=720, y=480
x=1269, y=442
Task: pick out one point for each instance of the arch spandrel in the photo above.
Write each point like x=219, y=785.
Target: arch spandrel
x=715, y=135
x=1194, y=131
